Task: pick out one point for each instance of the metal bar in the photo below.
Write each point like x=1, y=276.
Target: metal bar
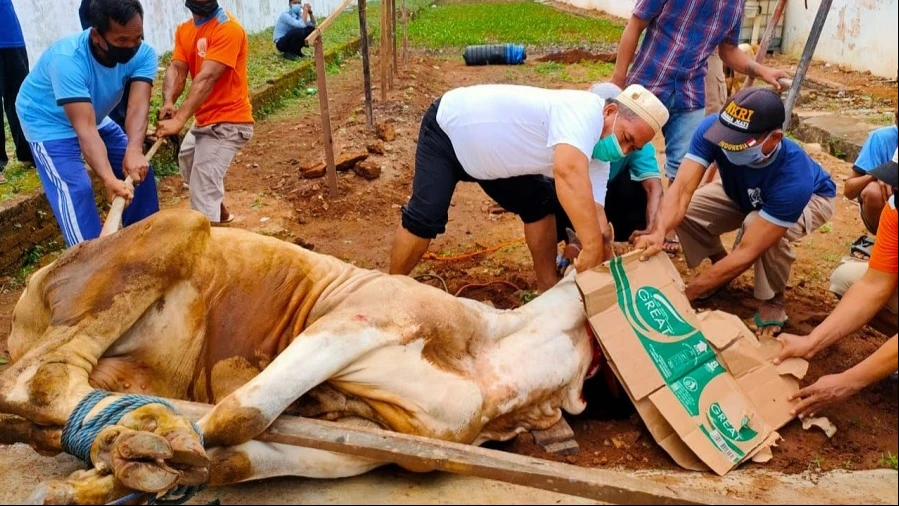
x=766, y=39
x=806, y=60
x=326, y=116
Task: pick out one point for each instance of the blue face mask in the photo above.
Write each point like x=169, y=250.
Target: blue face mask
x=751, y=157
x=608, y=149
x=296, y=8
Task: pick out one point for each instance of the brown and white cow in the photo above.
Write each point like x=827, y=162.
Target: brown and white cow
x=259, y=327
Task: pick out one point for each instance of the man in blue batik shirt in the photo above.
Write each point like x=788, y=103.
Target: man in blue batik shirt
x=64, y=105
x=292, y=28
x=769, y=189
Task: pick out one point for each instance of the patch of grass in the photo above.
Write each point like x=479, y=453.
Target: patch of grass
x=889, y=461
x=527, y=296
x=826, y=228
x=518, y=22
x=19, y=180
x=815, y=464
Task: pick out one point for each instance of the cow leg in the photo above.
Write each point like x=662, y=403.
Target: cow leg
x=255, y=460
x=321, y=351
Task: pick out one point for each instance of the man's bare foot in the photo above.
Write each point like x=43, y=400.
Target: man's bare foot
x=771, y=317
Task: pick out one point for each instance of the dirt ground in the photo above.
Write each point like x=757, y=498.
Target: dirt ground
x=268, y=195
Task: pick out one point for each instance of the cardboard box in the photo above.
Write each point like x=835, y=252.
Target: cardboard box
x=703, y=384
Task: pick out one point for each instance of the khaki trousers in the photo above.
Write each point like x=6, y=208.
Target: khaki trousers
x=715, y=85
x=206, y=153
x=849, y=273
x=712, y=213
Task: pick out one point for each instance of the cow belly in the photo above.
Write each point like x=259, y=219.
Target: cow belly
x=413, y=396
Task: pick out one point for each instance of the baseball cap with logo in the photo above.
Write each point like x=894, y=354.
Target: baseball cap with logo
x=748, y=115
x=887, y=172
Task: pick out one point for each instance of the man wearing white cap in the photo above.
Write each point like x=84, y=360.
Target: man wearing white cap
x=530, y=149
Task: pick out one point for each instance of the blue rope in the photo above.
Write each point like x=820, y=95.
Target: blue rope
x=78, y=436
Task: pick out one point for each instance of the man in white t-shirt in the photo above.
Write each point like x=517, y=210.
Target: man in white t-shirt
x=530, y=149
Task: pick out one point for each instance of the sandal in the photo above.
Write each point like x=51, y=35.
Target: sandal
x=763, y=324
x=671, y=246
x=862, y=248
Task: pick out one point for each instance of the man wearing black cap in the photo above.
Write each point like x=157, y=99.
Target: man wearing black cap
x=769, y=188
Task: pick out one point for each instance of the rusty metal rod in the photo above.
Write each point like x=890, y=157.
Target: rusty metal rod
x=806, y=60
x=766, y=39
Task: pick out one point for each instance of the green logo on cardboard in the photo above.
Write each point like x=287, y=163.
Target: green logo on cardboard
x=720, y=421
x=657, y=311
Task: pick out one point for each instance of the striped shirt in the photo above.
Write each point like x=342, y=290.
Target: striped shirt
x=671, y=61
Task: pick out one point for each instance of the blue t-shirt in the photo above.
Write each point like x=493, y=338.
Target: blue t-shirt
x=641, y=164
x=878, y=149
x=780, y=191
x=67, y=72
x=10, y=30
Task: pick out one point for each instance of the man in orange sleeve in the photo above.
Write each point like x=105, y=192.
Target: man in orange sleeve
x=872, y=292
x=212, y=48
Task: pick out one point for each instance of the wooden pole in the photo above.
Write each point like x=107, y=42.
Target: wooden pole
x=766, y=39
x=806, y=60
x=114, y=216
x=317, y=33
x=326, y=116
x=384, y=50
x=424, y=454
x=366, y=64
x=393, y=46
x=405, y=35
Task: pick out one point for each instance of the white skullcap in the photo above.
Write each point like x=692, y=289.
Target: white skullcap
x=644, y=104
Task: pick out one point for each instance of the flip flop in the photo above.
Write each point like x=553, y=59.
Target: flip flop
x=225, y=222
x=671, y=251
x=761, y=324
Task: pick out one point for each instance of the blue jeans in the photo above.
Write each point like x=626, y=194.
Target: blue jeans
x=70, y=192
x=678, y=134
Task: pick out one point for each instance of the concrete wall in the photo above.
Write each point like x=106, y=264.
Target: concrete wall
x=44, y=21
x=860, y=34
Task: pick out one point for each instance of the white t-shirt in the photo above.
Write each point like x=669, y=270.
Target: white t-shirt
x=500, y=131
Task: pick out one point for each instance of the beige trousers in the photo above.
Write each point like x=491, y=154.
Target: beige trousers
x=206, y=153
x=715, y=85
x=849, y=273
x=712, y=213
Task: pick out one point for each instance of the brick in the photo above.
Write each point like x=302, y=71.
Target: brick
x=369, y=169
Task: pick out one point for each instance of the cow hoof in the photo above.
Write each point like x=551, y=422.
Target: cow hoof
x=81, y=487
x=152, y=449
x=52, y=492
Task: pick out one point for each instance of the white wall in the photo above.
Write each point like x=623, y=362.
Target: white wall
x=620, y=8
x=44, y=21
x=860, y=34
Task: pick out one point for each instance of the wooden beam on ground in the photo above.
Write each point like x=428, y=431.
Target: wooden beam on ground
x=405, y=35
x=766, y=39
x=327, y=138
x=366, y=64
x=317, y=33
x=423, y=454
x=384, y=53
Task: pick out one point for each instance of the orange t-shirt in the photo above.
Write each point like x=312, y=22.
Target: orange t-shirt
x=885, y=257
x=223, y=40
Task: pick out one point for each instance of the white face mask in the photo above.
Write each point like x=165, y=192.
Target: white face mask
x=752, y=157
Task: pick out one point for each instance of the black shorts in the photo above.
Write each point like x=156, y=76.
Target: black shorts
x=626, y=206
x=438, y=170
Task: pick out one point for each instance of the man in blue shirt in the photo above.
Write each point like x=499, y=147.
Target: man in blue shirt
x=292, y=28
x=872, y=194
x=769, y=189
x=63, y=106
x=13, y=69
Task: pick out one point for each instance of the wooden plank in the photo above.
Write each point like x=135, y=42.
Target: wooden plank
x=423, y=454
x=366, y=64
x=405, y=35
x=317, y=33
x=766, y=39
x=325, y=116
x=393, y=46
x=383, y=51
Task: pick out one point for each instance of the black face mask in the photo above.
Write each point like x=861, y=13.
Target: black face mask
x=117, y=54
x=202, y=9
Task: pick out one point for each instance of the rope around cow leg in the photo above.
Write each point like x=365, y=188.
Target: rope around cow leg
x=78, y=436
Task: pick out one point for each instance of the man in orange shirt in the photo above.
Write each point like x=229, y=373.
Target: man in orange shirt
x=212, y=47
x=874, y=293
